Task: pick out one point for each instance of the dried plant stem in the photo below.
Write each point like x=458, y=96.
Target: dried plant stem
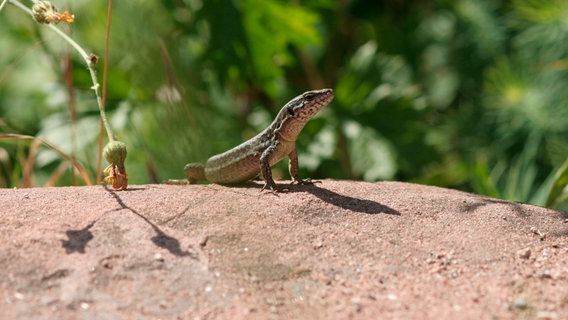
x=2, y=4
x=73, y=162
x=86, y=57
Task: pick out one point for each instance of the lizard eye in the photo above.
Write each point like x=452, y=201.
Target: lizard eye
x=290, y=111
x=309, y=96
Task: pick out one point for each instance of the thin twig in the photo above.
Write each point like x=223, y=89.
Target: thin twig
x=105, y=68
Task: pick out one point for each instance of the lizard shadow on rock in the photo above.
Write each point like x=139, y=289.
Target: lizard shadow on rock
x=161, y=239
x=336, y=199
x=343, y=201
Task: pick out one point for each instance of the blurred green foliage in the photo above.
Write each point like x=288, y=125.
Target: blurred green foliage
x=468, y=94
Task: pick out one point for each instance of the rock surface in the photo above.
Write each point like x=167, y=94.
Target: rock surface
x=338, y=249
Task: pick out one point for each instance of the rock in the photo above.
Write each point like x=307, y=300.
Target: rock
x=524, y=253
x=339, y=249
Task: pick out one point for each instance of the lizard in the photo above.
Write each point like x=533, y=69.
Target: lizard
x=257, y=155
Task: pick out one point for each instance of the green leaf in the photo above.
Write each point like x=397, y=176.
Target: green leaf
x=271, y=28
x=558, y=193
x=371, y=155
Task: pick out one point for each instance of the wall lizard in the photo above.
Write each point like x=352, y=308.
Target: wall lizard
x=247, y=160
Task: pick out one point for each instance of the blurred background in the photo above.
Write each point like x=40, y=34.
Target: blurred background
x=465, y=94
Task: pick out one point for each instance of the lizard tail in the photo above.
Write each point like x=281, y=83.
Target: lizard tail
x=194, y=172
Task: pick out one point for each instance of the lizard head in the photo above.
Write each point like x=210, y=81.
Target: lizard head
x=296, y=113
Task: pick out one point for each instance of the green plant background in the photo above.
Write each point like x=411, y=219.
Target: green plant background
x=466, y=94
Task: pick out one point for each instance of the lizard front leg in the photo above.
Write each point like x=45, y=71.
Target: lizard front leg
x=265, y=168
x=293, y=168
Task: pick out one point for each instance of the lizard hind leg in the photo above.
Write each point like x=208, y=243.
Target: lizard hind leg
x=194, y=172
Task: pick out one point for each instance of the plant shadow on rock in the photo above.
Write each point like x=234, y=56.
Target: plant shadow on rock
x=78, y=239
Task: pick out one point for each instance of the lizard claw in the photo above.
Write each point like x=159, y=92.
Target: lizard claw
x=273, y=189
x=178, y=182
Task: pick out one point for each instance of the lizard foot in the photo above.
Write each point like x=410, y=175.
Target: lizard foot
x=273, y=188
x=305, y=181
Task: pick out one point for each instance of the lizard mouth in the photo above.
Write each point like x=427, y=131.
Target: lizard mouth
x=321, y=101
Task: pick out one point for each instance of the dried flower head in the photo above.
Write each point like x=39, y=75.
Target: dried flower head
x=45, y=12
x=115, y=174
